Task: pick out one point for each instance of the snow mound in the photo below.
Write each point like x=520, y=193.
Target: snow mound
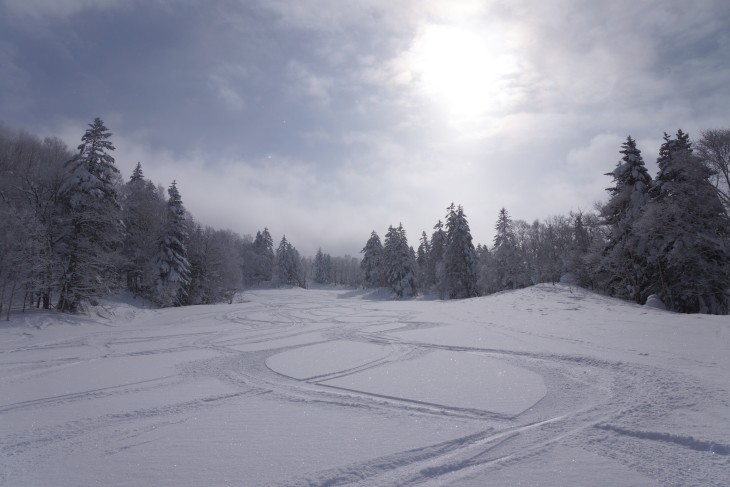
x=653, y=301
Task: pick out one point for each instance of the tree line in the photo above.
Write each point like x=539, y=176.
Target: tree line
x=666, y=237
x=72, y=230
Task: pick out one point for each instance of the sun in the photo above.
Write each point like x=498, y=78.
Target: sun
x=469, y=72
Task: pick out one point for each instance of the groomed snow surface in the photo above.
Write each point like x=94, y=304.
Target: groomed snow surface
x=546, y=386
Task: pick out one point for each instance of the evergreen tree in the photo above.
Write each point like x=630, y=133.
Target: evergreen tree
x=485, y=280
x=623, y=265
x=333, y=273
x=322, y=267
x=143, y=213
x=585, y=249
x=137, y=174
x=423, y=260
x=435, y=272
x=507, y=261
x=399, y=263
x=288, y=268
x=685, y=232
x=90, y=218
x=172, y=261
x=673, y=154
x=460, y=259
x=372, y=265
x=263, y=246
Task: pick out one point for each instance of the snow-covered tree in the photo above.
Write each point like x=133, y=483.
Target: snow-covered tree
x=216, y=265
x=460, y=258
x=91, y=221
x=508, y=268
x=485, y=279
x=713, y=148
x=288, y=268
x=137, y=174
x=264, y=257
x=330, y=271
x=685, y=231
x=346, y=270
x=372, y=264
x=435, y=272
x=69, y=229
x=399, y=262
x=32, y=172
x=143, y=213
x=322, y=267
x=423, y=260
x=172, y=261
x=585, y=250
x=623, y=265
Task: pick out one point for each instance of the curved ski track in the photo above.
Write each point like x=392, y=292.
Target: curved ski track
x=591, y=404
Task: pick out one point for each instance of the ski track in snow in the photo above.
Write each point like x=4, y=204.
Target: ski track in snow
x=642, y=412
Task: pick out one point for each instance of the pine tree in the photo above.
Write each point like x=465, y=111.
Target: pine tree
x=435, y=273
x=399, y=263
x=172, y=261
x=673, y=154
x=423, y=260
x=263, y=246
x=585, y=249
x=91, y=221
x=372, y=262
x=322, y=267
x=143, y=213
x=485, y=278
x=460, y=258
x=288, y=268
x=629, y=193
x=137, y=174
x=685, y=232
x=623, y=265
x=508, y=265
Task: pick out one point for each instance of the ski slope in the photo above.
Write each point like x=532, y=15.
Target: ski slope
x=543, y=386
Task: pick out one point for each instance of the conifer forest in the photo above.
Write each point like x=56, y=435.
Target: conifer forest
x=73, y=229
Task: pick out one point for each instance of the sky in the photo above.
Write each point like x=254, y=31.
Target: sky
x=324, y=119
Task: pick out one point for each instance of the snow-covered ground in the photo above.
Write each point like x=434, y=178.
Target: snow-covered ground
x=542, y=386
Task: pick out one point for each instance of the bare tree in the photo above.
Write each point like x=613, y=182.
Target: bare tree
x=714, y=150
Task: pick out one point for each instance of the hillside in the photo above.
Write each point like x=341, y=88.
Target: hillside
x=543, y=386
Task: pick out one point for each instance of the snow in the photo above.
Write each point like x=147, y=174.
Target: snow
x=454, y=379
x=549, y=385
x=326, y=358
x=654, y=301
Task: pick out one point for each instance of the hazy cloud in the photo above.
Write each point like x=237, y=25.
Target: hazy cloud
x=40, y=9
x=325, y=120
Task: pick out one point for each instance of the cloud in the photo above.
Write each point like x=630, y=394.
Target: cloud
x=365, y=122
x=225, y=81
x=14, y=93
x=40, y=9
x=599, y=153
x=303, y=82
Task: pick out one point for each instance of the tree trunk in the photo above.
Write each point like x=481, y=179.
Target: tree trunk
x=10, y=302
x=2, y=296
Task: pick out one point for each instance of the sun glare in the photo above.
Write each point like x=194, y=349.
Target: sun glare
x=466, y=71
